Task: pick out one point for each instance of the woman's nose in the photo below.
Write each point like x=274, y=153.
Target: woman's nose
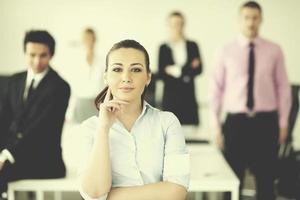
x=126, y=78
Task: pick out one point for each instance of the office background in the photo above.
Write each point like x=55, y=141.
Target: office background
x=209, y=22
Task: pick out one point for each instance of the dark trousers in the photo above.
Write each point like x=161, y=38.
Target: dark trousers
x=252, y=141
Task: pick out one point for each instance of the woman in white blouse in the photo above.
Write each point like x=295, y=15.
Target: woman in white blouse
x=133, y=151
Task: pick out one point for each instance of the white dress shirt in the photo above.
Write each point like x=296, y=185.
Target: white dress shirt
x=153, y=151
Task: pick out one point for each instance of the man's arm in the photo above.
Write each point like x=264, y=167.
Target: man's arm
x=5, y=119
x=217, y=85
x=51, y=117
x=284, y=96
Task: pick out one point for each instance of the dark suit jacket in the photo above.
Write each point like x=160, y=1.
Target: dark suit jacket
x=34, y=127
x=3, y=91
x=179, y=93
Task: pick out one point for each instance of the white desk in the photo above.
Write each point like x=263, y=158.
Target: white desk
x=39, y=186
x=210, y=172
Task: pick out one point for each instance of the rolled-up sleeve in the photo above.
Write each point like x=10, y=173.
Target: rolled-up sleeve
x=87, y=197
x=176, y=160
x=85, y=134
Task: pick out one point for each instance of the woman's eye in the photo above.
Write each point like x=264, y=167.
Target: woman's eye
x=117, y=69
x=136, y=70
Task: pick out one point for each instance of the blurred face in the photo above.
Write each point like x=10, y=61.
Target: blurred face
x=37, y=56
x=88, y=39
x=250, y=20
x=175, y=24
x=127, y=74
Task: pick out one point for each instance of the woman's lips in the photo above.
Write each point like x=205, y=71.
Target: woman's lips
x=126, y=89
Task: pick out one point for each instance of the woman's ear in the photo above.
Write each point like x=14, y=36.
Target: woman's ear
x=149, y=79
x=105, y=78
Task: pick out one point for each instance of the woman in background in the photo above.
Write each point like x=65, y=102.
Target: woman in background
x=86, y=80
x=133, y=151
x=179, y=64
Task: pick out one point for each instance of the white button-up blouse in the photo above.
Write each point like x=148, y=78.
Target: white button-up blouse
x=153, y=151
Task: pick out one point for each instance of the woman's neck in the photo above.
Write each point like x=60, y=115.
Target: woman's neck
x=176, y=38
x=130, y=113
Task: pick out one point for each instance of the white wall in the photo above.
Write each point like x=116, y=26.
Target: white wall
x=209, y=22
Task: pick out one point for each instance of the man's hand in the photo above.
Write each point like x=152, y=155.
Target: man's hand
x=283, y=133
x=1, y=165
x=219, y=139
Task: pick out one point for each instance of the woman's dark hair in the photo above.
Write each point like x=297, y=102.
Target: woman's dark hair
x=252, y=4
x=40, y=36
x=123, y=44
x=176, y=14
x=91, y=31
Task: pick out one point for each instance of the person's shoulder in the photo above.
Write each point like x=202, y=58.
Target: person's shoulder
x=230, y=43
x=191, y=42
x=227, y=47
x=165, y=117
x=270, y=44
x=16, y=78
x=164, y=45
x=52, y=72
x=18, y=75
x=90, y=123
x=60, y=82
x=168, y=116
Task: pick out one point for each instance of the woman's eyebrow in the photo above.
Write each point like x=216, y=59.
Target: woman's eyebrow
x=140, y=64
x=119, y=64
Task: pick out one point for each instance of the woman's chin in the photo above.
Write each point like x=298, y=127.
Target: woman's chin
x=124, y=98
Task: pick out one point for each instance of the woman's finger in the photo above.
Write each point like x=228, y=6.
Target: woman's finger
x=111, y=106
x=107, y=96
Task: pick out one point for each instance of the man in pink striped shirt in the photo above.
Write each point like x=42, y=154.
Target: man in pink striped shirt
x=250, y=84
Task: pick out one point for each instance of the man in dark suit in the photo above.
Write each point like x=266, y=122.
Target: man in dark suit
x=3, y=87
x=33, y=116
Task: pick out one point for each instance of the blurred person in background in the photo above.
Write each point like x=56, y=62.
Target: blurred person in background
x=250, y=84
x=33, y=111
x=86, y=79
x=179, y=64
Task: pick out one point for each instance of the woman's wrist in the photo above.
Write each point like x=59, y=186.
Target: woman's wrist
x=102, y=129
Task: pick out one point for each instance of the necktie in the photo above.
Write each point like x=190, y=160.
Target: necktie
x=250, y=99
x=30, y=90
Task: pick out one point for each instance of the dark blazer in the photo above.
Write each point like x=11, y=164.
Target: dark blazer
x=3, y=92
x=179, y=93
x=34, y=127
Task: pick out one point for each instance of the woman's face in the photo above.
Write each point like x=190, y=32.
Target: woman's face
x=127, y=74
x=88, y=40
x=175, y=24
